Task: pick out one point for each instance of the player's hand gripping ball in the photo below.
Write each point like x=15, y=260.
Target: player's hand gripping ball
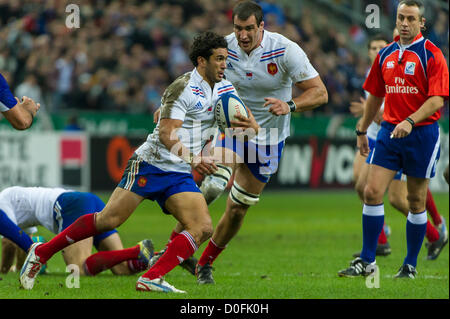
x=226, y=108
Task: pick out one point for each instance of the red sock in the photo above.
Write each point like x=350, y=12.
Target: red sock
x=382, y=239
x=179, y=249
x=81, y=228
x=432, y=233
x=432, y=210
x=210, y=253
x=172, y=236
x=107, y=259
x=135, y=265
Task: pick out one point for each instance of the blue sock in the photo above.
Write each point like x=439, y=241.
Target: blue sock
x=372, y=221
x=13, y=232
x=416, y=228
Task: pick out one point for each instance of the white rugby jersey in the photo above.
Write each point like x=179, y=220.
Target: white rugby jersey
x=269, y=71
x=30, y=206
x=189, y=99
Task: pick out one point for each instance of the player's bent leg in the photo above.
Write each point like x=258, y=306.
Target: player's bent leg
x=244, y=193
x=75, y=255
x=190, y=209
x=397, y=196
x=378, y=180
x=121, y=261
x=120, y=206
x=214, y=185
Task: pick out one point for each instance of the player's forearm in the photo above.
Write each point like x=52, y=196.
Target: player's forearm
x=371, y=110
x=431, y=106
x=19, y=118
x=174, y=145
x=310, y=99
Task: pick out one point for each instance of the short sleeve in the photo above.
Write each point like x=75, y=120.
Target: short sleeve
x=297, y=64
x=374, y=83
x=175, y=101
x=437, y=71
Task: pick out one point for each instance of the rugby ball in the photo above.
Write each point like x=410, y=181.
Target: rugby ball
x=226, y=108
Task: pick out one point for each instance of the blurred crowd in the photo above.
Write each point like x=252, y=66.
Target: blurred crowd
x=126, y=53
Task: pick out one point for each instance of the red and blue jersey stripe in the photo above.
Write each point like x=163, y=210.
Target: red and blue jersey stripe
x=272, y=54
x=225, y=89
x=233, y=55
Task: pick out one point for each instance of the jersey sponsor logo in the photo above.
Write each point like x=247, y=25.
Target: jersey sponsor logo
x=410, y=67
x=272, y=68
x=390, y=65
x=142, y=181
x=249, y=75
x=230, y=66
x=400, y=87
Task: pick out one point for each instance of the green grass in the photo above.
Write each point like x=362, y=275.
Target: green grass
x=290, y=247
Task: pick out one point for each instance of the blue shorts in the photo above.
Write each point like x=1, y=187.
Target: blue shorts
x=398, y=175
x=155, y=184
x=417, y=153
x=262, y=160
x=70, y=206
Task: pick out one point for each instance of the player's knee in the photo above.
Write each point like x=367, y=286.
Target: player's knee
x=201, y=232
x=206, y=231
x=214, y=185
x=237, y=213
x=359, y=187
x=372, y=194
x=416, y=202
x=106, y=221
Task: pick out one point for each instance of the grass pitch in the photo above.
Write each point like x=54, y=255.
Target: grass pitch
x=290, y=247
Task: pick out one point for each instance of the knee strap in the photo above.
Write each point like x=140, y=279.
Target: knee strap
x=242, y=197
x=223, y=172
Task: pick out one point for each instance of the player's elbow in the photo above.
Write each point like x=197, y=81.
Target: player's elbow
x=324, y=95
x=21, y=123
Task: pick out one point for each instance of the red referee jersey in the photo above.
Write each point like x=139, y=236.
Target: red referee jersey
x=407, y=82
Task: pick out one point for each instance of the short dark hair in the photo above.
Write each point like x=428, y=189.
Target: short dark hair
x=414, y=3
x=377, y=37
x=204, y=44
x=245, y=9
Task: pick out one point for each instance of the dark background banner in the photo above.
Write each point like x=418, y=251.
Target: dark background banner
x=109, y=157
